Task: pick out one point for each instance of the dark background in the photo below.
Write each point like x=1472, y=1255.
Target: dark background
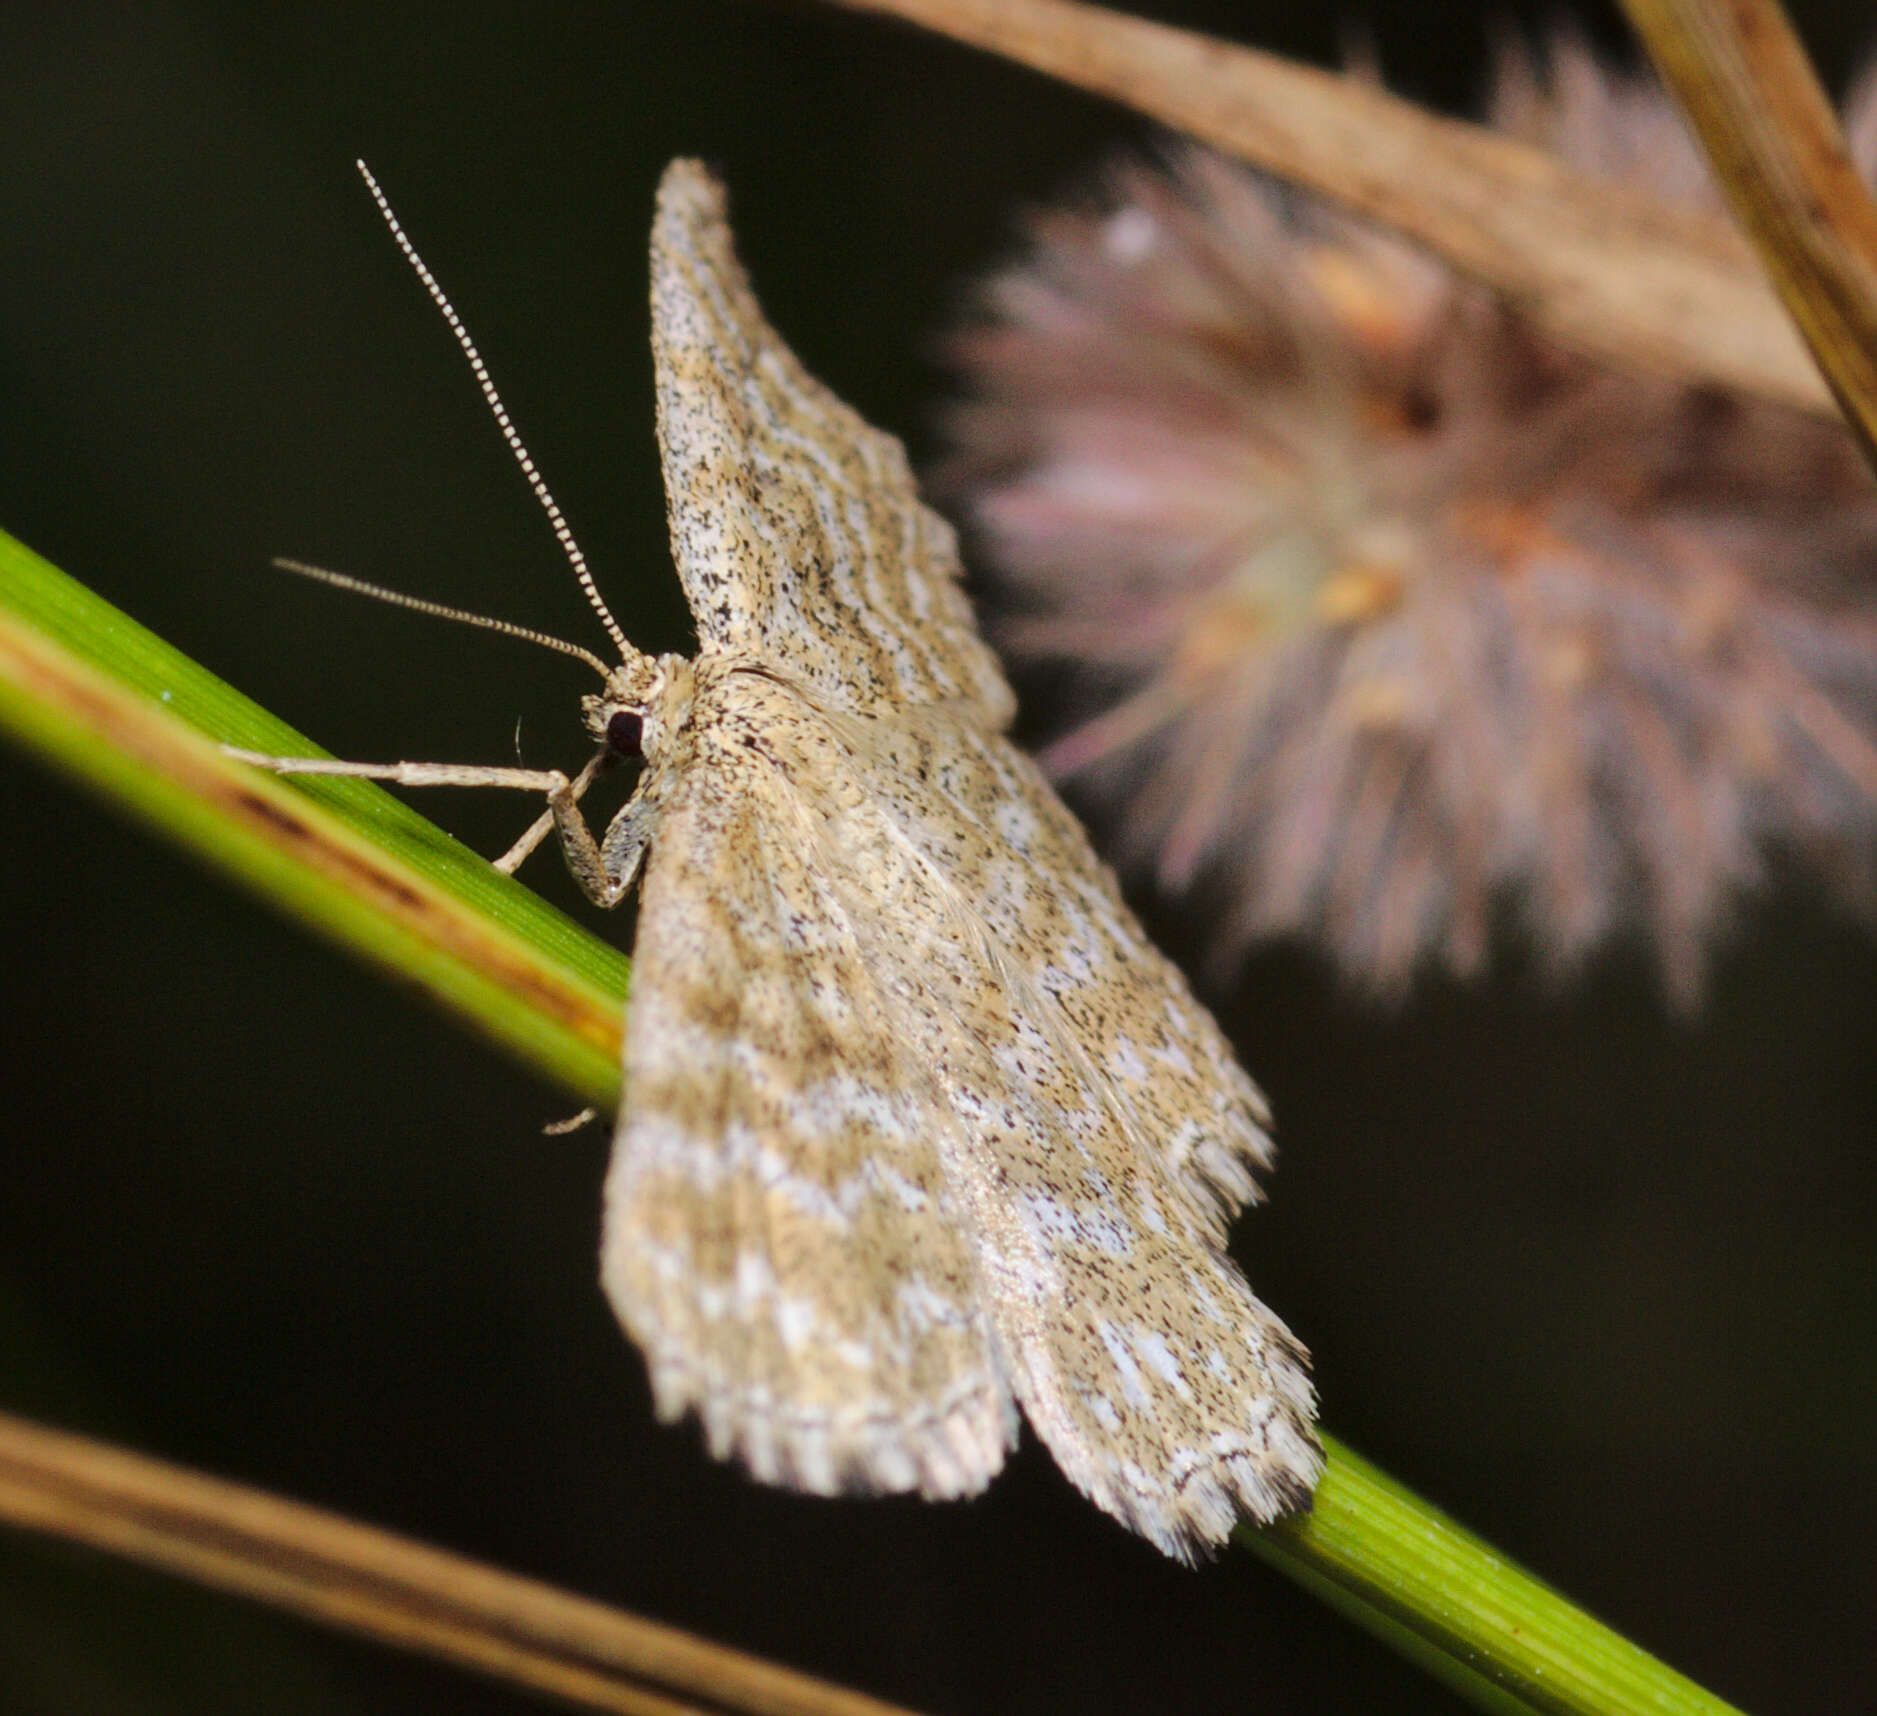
x=1598, y=1282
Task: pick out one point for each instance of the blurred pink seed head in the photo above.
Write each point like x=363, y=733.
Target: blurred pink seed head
x=1388, y=622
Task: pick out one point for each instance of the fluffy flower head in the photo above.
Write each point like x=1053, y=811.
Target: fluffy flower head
x=1386, y=620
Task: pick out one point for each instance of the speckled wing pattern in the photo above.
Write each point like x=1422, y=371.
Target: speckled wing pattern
x=917, y=1123
x=795, y=524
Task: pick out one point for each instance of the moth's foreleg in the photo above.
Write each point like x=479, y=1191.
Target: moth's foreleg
x=543, y=825
x=407, y=774
x=605, y=872
x=623, y=850
x=549, y=781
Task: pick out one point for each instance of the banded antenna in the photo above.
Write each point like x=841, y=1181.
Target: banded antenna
x=563, y=534
x=438, y=610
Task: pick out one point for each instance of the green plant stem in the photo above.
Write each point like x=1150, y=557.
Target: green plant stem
x=101, y=699
x=1475, y=1620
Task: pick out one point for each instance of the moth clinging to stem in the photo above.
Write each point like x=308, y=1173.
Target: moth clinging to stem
x=918, y=1128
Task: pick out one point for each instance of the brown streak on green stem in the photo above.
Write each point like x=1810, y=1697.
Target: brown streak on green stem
x=300, y=852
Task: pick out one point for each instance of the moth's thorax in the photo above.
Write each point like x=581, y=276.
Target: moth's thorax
x=658, y=690
x=738, y=702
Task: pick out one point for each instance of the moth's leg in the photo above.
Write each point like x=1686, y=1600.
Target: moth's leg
x=543, y=825
x=605, y=873
x=548, y=781
x=605, y=876
x=623, y=849
x=562, y=1128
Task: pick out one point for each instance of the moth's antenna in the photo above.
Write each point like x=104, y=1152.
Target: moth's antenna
x=565, y=536
x=397, y=599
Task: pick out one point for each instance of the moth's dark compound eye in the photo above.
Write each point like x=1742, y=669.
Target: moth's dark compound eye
x=625, y=732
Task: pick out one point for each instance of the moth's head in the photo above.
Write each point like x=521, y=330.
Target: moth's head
x=647, y=699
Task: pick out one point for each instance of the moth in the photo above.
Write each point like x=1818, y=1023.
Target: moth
x=918, y=1127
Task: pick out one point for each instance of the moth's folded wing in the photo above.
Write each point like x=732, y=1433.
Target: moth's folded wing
x=797, y=530
x=1104, y=1133
x=1168, y=1393
x=779, y=1238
